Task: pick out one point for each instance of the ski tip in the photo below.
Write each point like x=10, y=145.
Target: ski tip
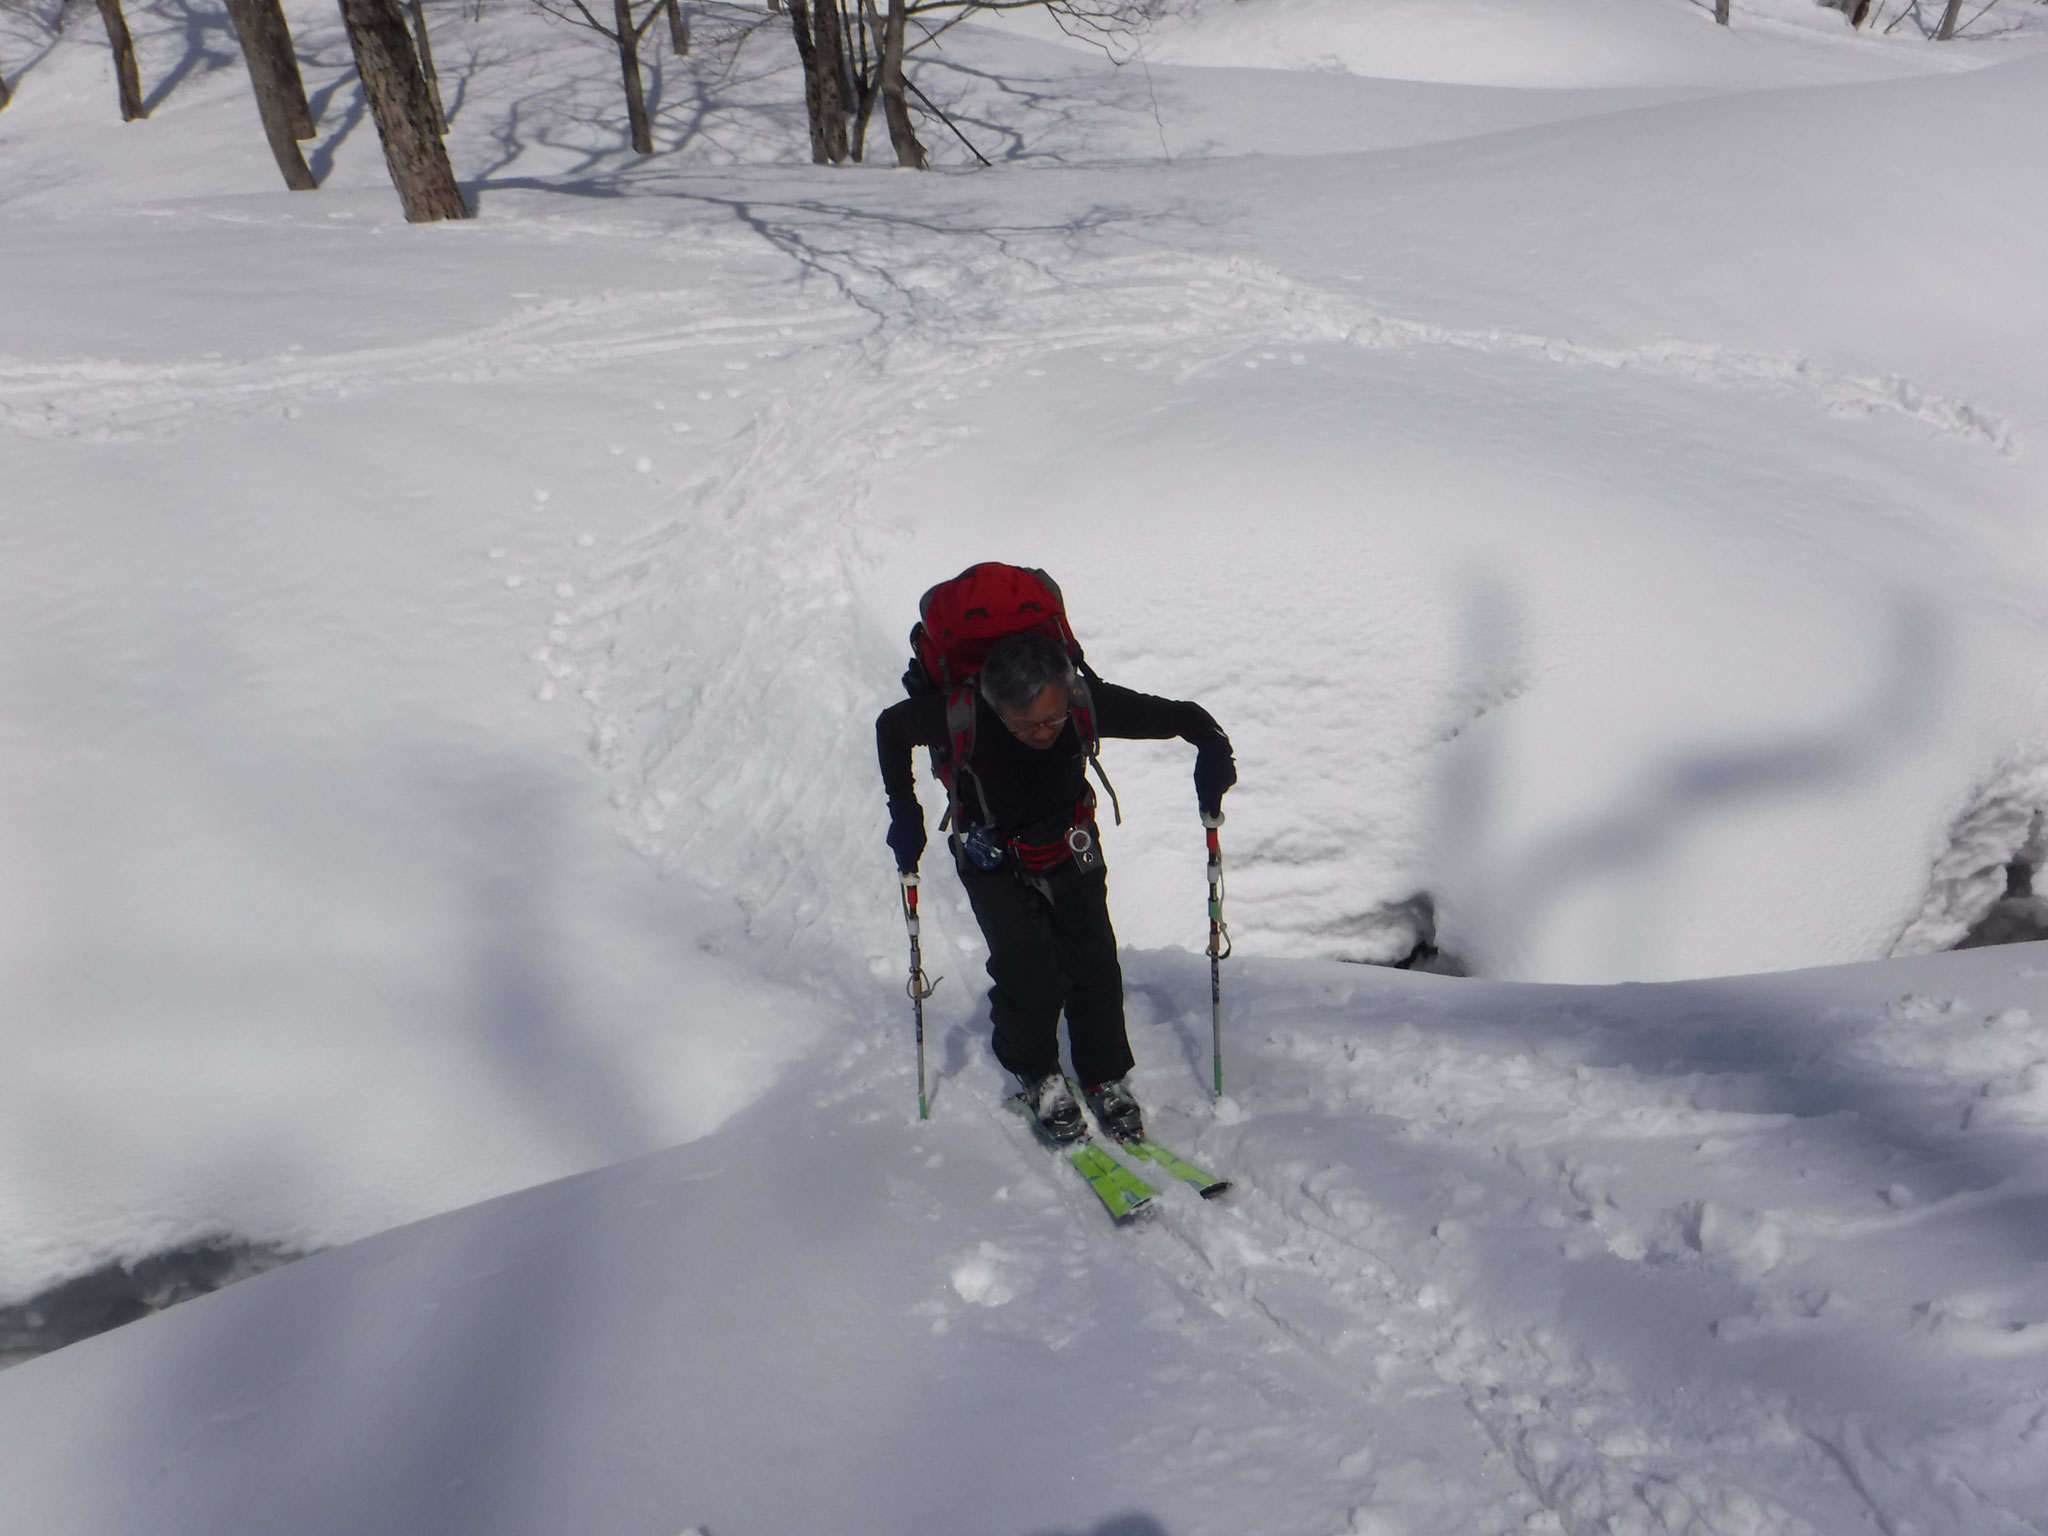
x=1211, y=1191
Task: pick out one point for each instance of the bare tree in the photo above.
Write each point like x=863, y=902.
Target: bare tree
x=853, y=56
x=822, y=54
x=625, y=34
x=1721, y=11
x=902, y=136
x=397, y=93
x=1948, y=21
x=125, y=72
x=426, y=47
x=1859, y=12
x=280, y=93
x=678, y=29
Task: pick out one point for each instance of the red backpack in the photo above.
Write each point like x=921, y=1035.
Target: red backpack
x=958, y=621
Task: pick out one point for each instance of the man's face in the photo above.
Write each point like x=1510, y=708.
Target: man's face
x=1040, y=725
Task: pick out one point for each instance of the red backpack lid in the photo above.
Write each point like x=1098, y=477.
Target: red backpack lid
x=963, y=617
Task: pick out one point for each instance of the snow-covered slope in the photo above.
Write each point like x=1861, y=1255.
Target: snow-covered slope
x=439, y=760
x=1759, y=1256
x=1555, y=44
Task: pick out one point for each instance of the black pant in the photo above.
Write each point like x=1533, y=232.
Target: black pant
x=1045, y=955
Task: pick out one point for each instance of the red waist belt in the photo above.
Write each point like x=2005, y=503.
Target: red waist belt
x=1037, y=858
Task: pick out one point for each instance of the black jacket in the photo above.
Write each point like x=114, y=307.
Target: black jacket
x=1031, y=792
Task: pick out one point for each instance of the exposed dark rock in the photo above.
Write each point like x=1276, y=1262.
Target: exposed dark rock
x=1400, y=934
x=2019, y=916
x=114, y=1294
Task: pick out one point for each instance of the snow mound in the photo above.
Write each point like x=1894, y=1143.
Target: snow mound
x=1537, y=44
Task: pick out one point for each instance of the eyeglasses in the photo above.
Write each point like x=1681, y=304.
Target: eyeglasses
x=1055, y=724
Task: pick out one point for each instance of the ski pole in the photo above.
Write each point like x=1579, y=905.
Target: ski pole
x=1219, y=941
x=917, y=988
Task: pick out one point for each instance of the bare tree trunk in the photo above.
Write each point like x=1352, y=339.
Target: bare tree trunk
x=268, y=33
x=832, y=46
x=909, y=153
x=5, y=94
x=1948, y=21
x=397, y=93
x=678, y=30
x=124, y=59
x=1721, y=10
x=867, y=32
x=822, y=100
x=426, y=47
x=629, y=69
x=273, y=77
x=1859, y=12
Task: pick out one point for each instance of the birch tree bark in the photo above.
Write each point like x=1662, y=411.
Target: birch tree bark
x=397, y=93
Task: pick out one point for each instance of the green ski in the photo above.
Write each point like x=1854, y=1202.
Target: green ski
x=1122, y=1193
x=1177, y=1166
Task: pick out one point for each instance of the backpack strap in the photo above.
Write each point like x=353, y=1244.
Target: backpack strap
x=960, y=718
x=1081, y=706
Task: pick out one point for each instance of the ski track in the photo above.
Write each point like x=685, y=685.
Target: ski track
x=113, y=401
x=1405, y=1159
x=983, y=313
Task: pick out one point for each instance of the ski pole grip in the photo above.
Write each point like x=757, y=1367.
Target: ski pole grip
x=1212, y=822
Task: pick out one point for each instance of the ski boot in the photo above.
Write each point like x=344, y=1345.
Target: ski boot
x=1117, y=1111
x=1051, y=1102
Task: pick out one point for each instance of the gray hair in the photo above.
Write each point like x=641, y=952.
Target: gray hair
x=1019, y=667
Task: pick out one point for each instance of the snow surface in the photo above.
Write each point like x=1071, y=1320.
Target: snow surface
x=1593, y=475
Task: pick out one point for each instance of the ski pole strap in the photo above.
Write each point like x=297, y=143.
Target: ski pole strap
x=918, y=988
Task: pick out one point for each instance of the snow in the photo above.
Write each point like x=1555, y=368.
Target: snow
x=1587, y=458
x=1751, y=1255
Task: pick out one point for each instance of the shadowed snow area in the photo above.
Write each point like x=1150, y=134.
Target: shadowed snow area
x=1759, y=1255
x=1588, y=459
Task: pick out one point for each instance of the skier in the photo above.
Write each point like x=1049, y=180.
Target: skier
x=1012, y=743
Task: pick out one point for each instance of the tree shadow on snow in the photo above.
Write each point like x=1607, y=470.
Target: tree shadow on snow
x=1641, y=828
x=210, y=44
x=1121, y=1525
x=508, y=846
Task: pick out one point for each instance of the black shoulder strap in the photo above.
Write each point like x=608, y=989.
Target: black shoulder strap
x=1081, y=706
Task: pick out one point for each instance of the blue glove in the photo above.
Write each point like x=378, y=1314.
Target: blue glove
x=1215, y=771
x=906, y=834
